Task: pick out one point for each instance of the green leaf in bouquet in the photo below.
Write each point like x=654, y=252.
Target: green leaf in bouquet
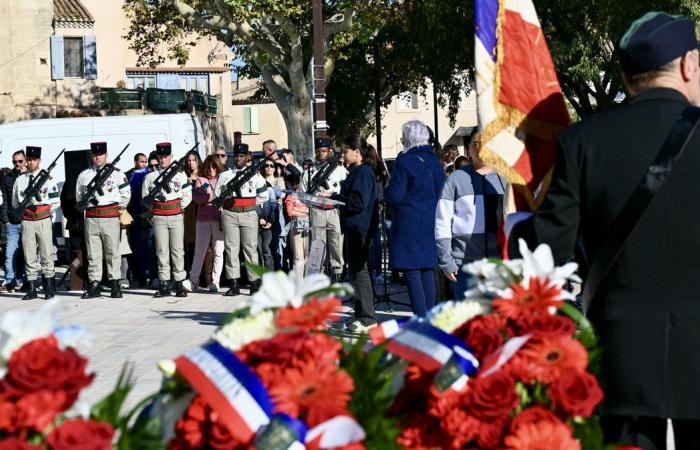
x=237, y=314
x=585, y=334
x=144, y=434
x=339, y=290
x=539, y=393
x=256, y=269
x=109, y=408
x=524, y=395
x=589, y=433
x=373, y=396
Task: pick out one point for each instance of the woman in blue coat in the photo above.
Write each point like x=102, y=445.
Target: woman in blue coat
x=413, y=192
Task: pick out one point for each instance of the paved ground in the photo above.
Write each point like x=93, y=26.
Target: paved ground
x=143, y=330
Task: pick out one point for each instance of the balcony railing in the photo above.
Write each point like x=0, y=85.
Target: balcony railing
x=159, y=100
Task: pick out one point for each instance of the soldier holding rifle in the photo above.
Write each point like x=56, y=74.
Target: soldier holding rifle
x=101, y=191
x=167, y=192
x=36, y=197
x=240, y=216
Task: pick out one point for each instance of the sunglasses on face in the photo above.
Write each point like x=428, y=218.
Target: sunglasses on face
x=21, y=161
x=221, y=155
x=269, y=166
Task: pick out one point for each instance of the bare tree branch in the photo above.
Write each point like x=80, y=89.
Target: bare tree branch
x=339, y=23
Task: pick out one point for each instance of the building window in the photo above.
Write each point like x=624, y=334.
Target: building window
x=250, y=120
x=73, y=57
x=140, y=81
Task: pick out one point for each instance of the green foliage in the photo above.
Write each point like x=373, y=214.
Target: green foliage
x=585, y=334
x=589, y=433
x=109, y=408
x=373, y=394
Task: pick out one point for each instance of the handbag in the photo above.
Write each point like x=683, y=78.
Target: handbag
x=652, y=183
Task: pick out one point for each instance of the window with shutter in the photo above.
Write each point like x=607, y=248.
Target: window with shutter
x=250, y=120
x=74, y=57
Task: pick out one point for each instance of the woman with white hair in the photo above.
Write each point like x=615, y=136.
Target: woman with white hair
x=413, y=192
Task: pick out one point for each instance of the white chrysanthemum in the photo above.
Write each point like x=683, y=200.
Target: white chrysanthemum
x=494, y=278
x=280, y=289
x=247, y=329
x=19, y=327
x=451, y=315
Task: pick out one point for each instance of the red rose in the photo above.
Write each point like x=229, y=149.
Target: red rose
x=42, y=365
x=80, y=434
x=484, y=334
x=545, y=325
x=38, y=409
x=8, y=411
x=489, y=433
x=576, y=393
x=14, y=443
x=537, y=413
x=492, y=397
x=199, y=428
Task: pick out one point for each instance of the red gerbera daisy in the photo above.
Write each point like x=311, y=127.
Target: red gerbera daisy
x=544, y=435
x=537, y=298
x=546, y=359
x=313, y=315
x=312, y=391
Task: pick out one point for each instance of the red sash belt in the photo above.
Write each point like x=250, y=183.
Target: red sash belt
x=103, y=212
x=36, y=212
x=240, y=204
x=167, y=208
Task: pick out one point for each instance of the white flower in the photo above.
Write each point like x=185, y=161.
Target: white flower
x=167, y=367
x=494, y=278
x=74, y=336
x=280, y=289
x=540, y=264
x=247, y=329
x=19, y=327
x=451, y=315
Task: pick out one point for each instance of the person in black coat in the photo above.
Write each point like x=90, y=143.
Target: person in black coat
x=647, y=309
x=14, y=261
x=358, y=222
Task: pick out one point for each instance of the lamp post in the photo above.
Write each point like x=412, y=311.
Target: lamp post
x=319, y=74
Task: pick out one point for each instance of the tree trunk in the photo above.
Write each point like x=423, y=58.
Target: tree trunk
x=298, y=120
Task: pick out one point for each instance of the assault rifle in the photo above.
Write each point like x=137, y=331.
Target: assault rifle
x=320, y=178
x=235, y=184
x=36, y=184
x=95, y=185
x=162, y=183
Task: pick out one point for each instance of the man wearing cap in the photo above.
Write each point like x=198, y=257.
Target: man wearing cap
x=325, y=221
x=240, y=220
x=168, y=223
x=102, y=224
x=37, y=235
x=645, y=306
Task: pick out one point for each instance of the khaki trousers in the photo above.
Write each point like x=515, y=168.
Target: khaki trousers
x=103, y=234
x=332, y=237
x=240, y=229
x=170, y=245
x=300, y=247
x=37, y=242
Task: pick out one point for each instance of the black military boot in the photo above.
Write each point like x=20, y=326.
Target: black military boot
x=31, y=290
x=163, y=290
x=233, y=289
x=49, y=288
x=116, y=289
x=93, y=290
x=180, y=289
x=254, y=286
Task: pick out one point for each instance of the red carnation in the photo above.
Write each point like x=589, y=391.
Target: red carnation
x=536, y=298
x=492, y=397
x=80, y=434
x=42, y=365
x=546, y=359
x=484, y=334
x=544, y=435
x=490, y=432
x=535, y=414
x=313, y=315
x=576, y=393
x=200, y=428
x=420, y=432
x=14, y=443
x=545, y=325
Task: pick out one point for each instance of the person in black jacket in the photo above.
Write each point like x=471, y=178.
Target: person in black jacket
x=646, y=310
x=14, y=264
x=358, y=222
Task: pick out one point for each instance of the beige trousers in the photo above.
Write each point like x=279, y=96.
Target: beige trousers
x=300, y=246
x=37, y=242
x=170, y=246
x=103, y=234
x=208, y=233
x=240, y=229
x=332, y=237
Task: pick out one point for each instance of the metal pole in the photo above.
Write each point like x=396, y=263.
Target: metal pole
x=435, y=112
x=377, y=99
x=320, y=125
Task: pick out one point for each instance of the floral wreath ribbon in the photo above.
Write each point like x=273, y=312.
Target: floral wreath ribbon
x=236, y=393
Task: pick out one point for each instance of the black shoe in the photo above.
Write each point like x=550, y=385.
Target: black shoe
x=92, y=291
x=25, y=287
x=254, y=286
x=233, y=289
x=116, y=289
x=163, y=290
x=180, y=289
x=31, y=290
x=49, y=288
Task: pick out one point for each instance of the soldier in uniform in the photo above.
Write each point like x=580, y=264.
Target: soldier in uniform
x=102, y=224
x=168, y=223
x=37, y=234
x=240, y=220
x=327, y=219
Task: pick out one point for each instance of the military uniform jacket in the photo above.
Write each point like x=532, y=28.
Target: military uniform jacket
x=255, y=187
x=115, y=189
x=49, y=193
x=334, y=180
x=647, y=310
x=180, y=187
